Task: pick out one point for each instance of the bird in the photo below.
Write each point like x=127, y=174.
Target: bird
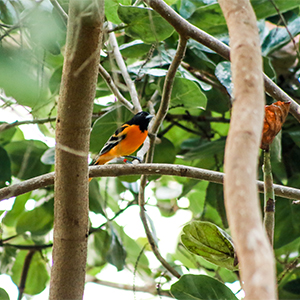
x=126, y=139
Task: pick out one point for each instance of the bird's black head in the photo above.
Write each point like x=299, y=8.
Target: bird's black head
x=142, y=119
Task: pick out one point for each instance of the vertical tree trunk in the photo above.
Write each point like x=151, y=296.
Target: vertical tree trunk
x=77, y=92
x=241, y=155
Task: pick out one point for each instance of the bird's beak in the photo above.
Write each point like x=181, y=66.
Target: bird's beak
x=149, y=117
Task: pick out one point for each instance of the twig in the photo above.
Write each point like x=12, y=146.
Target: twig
x=114, y=170
x=269, y=199
x=27, y=247
x=151, y=289
x=162, y=111
x=121, y=64
x=24, y=274
x=290, y=267
x=6, y=126
x=60, y=11
x=109, y=81
x=148, y=231
x=184, y=28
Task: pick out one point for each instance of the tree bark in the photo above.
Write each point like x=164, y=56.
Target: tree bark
x=80, y=73
x=241, y=153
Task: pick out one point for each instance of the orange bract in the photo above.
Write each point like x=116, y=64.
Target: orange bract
x=275, y=115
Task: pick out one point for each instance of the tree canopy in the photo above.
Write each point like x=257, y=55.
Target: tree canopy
x=141, y=47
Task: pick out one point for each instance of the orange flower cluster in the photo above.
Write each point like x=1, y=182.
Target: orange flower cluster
x=275, y=115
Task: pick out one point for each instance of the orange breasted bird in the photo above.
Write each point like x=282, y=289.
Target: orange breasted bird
x=126, y=140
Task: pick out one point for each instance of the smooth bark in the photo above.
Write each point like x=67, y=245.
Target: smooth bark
x=73, y=124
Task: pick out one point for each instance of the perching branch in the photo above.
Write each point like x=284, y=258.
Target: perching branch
x=121, y=64
x=115, y=170
x=269, y=199
x=241, y=153
x=184, y=28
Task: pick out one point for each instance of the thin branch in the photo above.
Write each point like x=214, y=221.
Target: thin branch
x=150, y=237
x=121, y=64
x=190, y=118
x=269, y=198
x=162, y=111
x=27, y=247
x=6, y=126
x=151, y=289
x=60, y=10
x=115, y=170
x=24, y=274
x=109, y=81
x=184, y=28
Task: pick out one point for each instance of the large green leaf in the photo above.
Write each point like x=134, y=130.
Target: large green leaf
x=187, y=93
x=8, y=14
x=24, y=87
x=38, y=221
x=210, y=17
x=223, y=73
x=37, y=276
x=25, y=158
x=111, y=9
x=3, y=294
x=12, y=216
x=144, y=24
x=211, y=242
x=6, y=135
x=5, y=174
x=95, y=198
x=201, y=287
x=279, y=37
x=116, y=254
x=214, y=197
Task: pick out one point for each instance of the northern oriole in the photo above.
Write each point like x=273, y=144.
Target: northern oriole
x=126, y=140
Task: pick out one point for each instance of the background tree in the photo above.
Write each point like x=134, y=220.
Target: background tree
x=162, y=62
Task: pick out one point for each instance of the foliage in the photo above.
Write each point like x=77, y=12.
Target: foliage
x=193, y=133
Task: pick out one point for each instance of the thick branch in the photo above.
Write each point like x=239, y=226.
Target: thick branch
x=113, y=170
x=241, y=153
x=184, y=28
x=78, y=87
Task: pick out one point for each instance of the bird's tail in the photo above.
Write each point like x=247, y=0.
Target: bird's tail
x=102, y=160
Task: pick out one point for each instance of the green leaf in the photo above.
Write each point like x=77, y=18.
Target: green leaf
x=3, y=294
x=210, y=17
x=206, y=149
x=5, y=174
x=211, y=242
x=38, y=221
x=25, y=158
x=214, y=197
x=7, y=15
x=144, y=24
x=95, y=198
x=24, y=87
x=37, y=277
x=200, y=287
x=134, y=49
x=12, y=216
x=106, y=125
x=48, y=158
x=287, y=229
x=6, y=135
x=116, y=254
x=111, y=9
x=223, y=73
x=98, y=246
x=280, y=36
x=187, y=93
x=293, y=286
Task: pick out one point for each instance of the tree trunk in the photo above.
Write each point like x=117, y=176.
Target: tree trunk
x=77, y=93
x=241, y=153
